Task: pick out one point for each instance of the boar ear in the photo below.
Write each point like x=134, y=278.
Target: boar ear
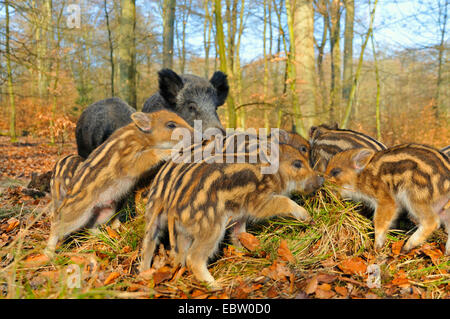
x=314, y=131
x=284, y=137
x=362, y=158
x=220, y=83
x=169, y=85
x=142, y=121
x=333, y=126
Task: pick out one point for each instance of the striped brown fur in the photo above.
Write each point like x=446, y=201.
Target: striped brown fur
x=198, y=200
x=446, y=151
x=62, y=174
x=112, y=170
x=328, y=141
x=410, y=176
x=295, y=140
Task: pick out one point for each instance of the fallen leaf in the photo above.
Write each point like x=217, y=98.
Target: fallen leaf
x=325, y=287
x=111, y=278
x=401, y=279
x=353, y=266
x=327, y=278
x=162, y=274
x=199, y=294
x=277, y=271
x=272, y=292
x=434, y=254
x=249, y=241
x=311, y=285
x=371, y=295
x=284, y=252
x=36, y=260
x=147, y=274
x=51, y=275
x=324, y=294
x=112, y=233
x=341, y=290
x=397, y=247
x=125, y=249
x=12, y=223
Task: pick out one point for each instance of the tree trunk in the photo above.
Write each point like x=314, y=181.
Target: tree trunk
x=348, y=109
x=334, y=27
x=168, y=32
x=348, y=48
x=320, y=56
x=377, y=79
x=12, y=113
x=304, y=59
x=220, y=40
x=127, y=52
x=207, y=28
x=441, y=109
x=292, y=73
x=242, y=114
x=111, y=48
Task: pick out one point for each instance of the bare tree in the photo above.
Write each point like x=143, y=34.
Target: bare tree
x=127, y=52
x=168, y=32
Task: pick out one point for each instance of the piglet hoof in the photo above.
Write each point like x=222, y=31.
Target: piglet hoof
x=302, y=215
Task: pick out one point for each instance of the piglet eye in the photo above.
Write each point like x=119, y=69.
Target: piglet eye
x=303, y=149
x=297, y=164
x=171, y=125
x=335, y=172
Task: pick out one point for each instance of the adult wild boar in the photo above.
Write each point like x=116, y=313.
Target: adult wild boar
x=190, y=96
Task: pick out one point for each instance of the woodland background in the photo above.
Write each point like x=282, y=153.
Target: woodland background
x=376, y=66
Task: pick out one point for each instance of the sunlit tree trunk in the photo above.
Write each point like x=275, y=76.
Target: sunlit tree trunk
x=334, y=28
x=207, y=28
x=168, y=32
x=127, y=52
x=304, y=59
x=12, y=113
x=442, y=110
x=377, y=79
x=320, y=56
x=292, y=73
x=351, y=97
x=348, y=48
x=111, y=48
x=242, y=115
x=221, y=49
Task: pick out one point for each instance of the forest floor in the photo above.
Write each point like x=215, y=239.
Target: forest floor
x=331, y=258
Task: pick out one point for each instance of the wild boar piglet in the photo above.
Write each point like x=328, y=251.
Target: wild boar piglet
x=327, y=141
x=62, y=174
x=112, y=170
x=413, y=177
x=198, y=200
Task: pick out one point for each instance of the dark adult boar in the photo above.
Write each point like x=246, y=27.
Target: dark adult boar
x=98, y=121
x=190, y=96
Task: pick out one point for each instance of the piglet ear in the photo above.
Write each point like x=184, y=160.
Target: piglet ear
x=361, y=158
x=169, y=85
x=220, y=83
x=283, y=137
x=142, y=121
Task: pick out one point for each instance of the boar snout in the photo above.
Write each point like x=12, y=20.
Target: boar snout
x=314, y=184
